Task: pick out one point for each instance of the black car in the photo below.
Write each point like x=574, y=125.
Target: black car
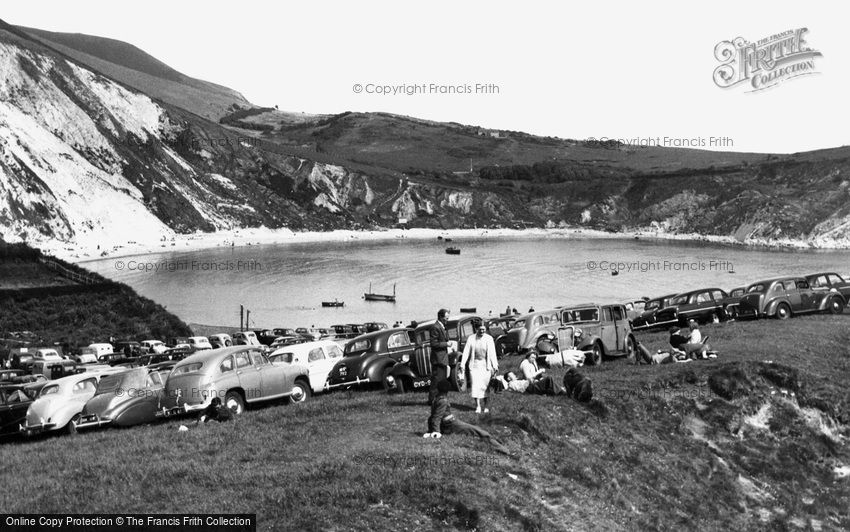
x=367, y=358
x=648, y=318
x=415, y=372
x=830, y=282
x=704, y=306
x=128, y=347
x=498, y=328
x=15, y=400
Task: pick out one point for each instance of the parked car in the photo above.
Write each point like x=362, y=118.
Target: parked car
x=128, y=347
x=283, y=341
x=170, y=355
x=265, y=336
x=87, y=355
x=783, y=297
x=529, y=328
x=220, y=340
x=704, y=306
x=319, y=357
x=127, y=398
x=343, y=332
x=15, y=400
x=175, y=341
x=238, y=375
x=153, y=346
x=498, y=328
x=245, y=338
x=101, y=349
x=199, y=343
x=60, y=403
x=648, y=319
x=600, y=330
x=634, y=308
x=413, y=372
x=367, y=357
x=831, y=282
x=53, y=369
x=373, y=326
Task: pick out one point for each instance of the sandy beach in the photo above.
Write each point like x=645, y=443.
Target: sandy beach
x=260, y=236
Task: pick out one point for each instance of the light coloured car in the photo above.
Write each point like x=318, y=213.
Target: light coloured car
x=154, y=346
x=101, y=349
x=237, y=375
x=199, y=343
x=87, y=356
x=245, y=338
x=528, y=329
x=46, y=355
x=220, y=340
x=127, y=398
x=319, y=357
x=59, y=405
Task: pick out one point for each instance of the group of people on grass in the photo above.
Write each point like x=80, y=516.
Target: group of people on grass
x=479, y=355
x=683, y=347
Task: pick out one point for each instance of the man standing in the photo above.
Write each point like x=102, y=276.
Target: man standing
x=439, y=352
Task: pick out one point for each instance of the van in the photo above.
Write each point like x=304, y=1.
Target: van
x=101, y=349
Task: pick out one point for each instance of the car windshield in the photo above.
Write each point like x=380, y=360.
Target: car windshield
x=756, y=289
x=283, y=357
x=679, y=300
x=581, y=315
x=188, y=368
x=652, y=305
x=357, y=347
x=519, y=324
x=49, y=390
x=109, y=383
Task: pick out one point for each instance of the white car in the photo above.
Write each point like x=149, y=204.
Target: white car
x=153, y=346
x=87, y=356
x=46, y=355
x=60, y=403
x=199, y=343
x=319, y=357
x=220, y=340
x=101, y=349
x=245, y=338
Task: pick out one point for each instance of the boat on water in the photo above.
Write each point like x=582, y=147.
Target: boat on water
x=453, y=250
x=333, y=303
x=371, y=296
x=447, y=239
x=468, y=310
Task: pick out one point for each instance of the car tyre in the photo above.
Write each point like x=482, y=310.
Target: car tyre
x=300, y=391
x=500, y=347
x=596, y=354
x=783, y=311
x=71, y=427
x=234, y=401
x=836, y=306
x=631, y=349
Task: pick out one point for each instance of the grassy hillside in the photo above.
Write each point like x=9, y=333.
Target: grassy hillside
x=753, y=440
x=93, y=313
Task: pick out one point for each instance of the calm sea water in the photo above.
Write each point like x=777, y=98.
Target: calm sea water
x=284, y=285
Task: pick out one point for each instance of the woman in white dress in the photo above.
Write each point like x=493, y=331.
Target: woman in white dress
x=480, y=354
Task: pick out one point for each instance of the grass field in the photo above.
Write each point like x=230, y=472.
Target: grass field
x=755, y=439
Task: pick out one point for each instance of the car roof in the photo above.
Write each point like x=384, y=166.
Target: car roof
x=823, y=273
x=306, y=346
x=382, y=332
x=213, y=354
x=774, y=279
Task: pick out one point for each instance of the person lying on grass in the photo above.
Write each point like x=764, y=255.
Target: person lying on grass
x=539, y=386
x=215, y=412
x=442, y=421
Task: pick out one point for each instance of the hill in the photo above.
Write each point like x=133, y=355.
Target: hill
x=62, y=303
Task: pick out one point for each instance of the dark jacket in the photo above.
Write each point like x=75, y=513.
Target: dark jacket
x=439, y=345
x=441, y=410
x=677, y=340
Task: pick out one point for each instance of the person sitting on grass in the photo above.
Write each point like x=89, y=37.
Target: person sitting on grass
x=442, y=421
x=695, y=348
x=215, y=412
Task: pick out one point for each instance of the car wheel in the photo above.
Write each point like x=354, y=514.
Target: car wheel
x=386, y=374
x=631, y=349
x=835, y=306
x=228, y=343
x=783, y=311
x=500, y=348
x=596, y=354
x=234, y=401
x=300, y=392
x=71, y=427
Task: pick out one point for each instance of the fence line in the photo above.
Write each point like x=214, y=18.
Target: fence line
x=70, y=274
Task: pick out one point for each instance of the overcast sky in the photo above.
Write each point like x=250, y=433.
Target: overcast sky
x=608, y=69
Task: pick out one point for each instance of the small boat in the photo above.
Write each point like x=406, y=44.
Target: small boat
x=468, y=310
x=333, y=303
x=439, y=238
x=370, y=296
x=615, y=272
x=447, y=240
x=453, y=251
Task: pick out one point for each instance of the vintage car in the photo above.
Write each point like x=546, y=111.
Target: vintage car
x=413, y=373
x=245, y=338
x=368, y=357
x=600, y=330
x=15, y=400
x=373, y=326
x=102, y=349
x=283, y=341
x=128, y=347
x=173, y=354
x=199, y=343
x=559, y=350
x=220, y=340
x=127, y=398
x=529, y=328
x=783, y=297
x=237, y=375
x=87, y=355
x=498, y=328
x=152, y=346
x=319, y=357
x=53, y=369
x=704, y=306
x=19, y=376
x=648, y=318
x=60, y=403
x=831, y=282
x=634, y=308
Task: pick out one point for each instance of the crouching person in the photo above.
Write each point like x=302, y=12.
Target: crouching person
x=442, y=421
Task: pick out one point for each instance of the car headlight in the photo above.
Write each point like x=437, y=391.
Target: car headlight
x=405, y=358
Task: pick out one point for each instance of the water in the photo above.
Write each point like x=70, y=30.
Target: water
x=284, y=285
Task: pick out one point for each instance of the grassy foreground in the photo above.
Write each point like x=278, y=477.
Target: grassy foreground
x=753, y=440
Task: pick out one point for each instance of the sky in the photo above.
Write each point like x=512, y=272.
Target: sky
x=635, y=71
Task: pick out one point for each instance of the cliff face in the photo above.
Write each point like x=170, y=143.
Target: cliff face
x=87, y=159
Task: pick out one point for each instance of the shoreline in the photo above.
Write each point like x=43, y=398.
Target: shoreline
x=264, y=236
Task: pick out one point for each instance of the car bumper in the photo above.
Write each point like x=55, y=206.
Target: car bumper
x=91, y=421
x=337, y=384
x=32, y=430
